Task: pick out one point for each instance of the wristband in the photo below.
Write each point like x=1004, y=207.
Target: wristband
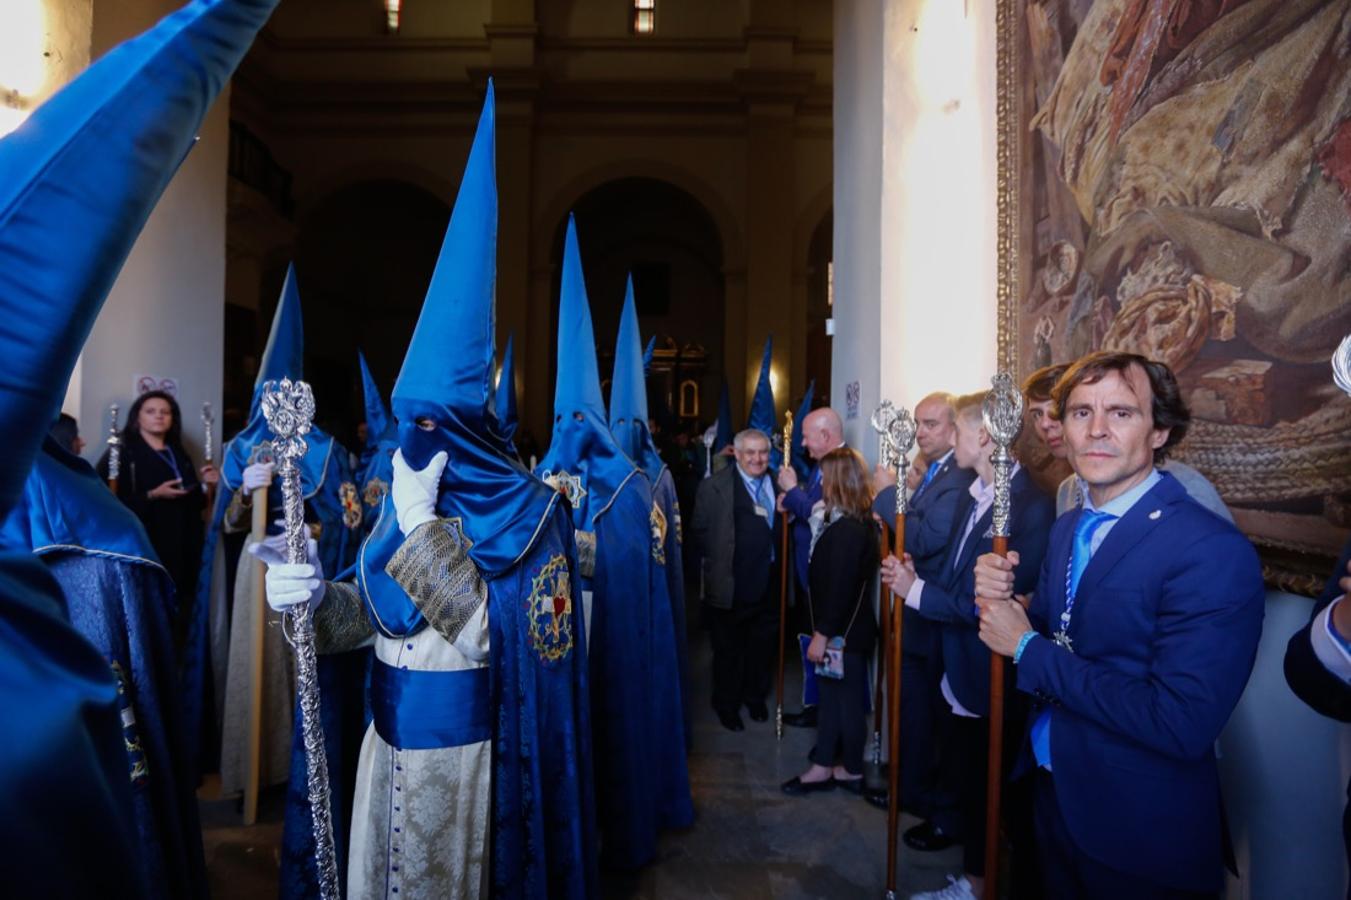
x=1022, y=645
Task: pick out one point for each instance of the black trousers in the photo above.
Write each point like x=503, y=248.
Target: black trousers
x=922, y=711
x=1071, y=874
x=743, y=653
x=842, y=716
x=966, y=751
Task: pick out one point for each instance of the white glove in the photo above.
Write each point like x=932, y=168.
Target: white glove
x=414, y=493
x=290, y=584
x=258, y=475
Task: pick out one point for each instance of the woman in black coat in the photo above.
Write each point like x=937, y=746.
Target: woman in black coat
x=843, y=561
x=158, y=483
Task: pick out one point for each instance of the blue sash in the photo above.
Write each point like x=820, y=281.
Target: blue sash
x=421, y=710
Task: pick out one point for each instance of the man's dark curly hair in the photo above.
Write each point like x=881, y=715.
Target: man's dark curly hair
x=1168, y=409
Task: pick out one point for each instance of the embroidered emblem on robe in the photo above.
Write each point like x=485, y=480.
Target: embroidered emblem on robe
x=550, y=611
x=567, y=484
x=351, y=504
x=137, y=764
x=658, y=522
x=376, y=489
x=262, y=453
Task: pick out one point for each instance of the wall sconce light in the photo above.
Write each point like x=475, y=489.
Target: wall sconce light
x=392, y=9
x=644, y=17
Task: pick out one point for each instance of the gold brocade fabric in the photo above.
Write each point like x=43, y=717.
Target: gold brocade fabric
x=434, y=569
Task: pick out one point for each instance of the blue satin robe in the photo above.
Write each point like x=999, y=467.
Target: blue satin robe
x=544, y=819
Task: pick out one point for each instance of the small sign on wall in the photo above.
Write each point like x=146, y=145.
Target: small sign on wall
x=140, y=384
x=851, y=400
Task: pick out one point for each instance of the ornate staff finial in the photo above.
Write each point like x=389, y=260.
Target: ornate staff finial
x=788, y=438
x=901, y=435
x=881, y=420
x=1002, y=413
x=288, y=407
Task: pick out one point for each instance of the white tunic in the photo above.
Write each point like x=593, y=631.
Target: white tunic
x=421, y=818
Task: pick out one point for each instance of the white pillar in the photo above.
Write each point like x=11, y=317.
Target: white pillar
x=915, y=229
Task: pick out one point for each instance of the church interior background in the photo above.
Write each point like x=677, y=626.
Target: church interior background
x=822, y=172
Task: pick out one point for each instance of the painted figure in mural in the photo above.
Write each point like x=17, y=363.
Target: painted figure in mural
x=475, y=775
x=1194, y=176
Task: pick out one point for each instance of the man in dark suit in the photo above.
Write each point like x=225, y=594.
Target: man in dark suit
x=1138, y=643
x=930, y=519
x=1318, y=660
x=947, y=599
x=822, y=432
x=738, y=531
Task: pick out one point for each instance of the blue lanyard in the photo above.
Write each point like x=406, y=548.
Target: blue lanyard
x=167, y=455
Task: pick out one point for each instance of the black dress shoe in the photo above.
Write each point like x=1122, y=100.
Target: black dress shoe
x=876, y=798
x=758, y=711
x=804, y=719
x=852, y=785
x=927, y=837
x=731, y=721
x=796, y=787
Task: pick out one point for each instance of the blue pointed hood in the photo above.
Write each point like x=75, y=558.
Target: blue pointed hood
x=93, y=161
x=628, y=393
x=763, y=415
x=801, y=463
x=379, y=425
x=66, y=507
x=447, y=377
x=726, y=433
x=506, y=394
x=583, y=460
x=283, y=357
x=651, y=344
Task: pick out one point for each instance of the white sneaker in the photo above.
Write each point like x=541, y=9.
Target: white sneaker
x=958, y=889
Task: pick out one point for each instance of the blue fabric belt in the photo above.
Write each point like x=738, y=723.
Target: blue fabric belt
x=421, y=710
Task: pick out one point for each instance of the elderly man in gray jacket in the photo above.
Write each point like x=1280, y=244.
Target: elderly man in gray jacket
x=738, y=531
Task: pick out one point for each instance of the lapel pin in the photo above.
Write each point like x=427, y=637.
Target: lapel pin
x=1155, y=514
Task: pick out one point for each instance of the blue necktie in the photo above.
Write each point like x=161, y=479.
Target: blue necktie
x=767, y=504
x=1080, y=554
x=928, y=477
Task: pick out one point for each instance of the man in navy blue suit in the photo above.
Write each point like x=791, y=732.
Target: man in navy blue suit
x=1137, y=645
x=948, y=600
x=930, y=519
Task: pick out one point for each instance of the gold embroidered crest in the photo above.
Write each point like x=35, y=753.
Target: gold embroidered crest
x=567, y=484
x=376, y=489
x=351, y=505
x=657, y=521
x=550, y=611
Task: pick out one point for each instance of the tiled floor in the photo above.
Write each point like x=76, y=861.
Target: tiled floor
x=749, y=841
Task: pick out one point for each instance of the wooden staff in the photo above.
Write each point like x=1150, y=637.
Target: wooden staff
x=783, y=580
x=901, y=435
x=881, y=420
x=257, y=633
x=114, y=443
x=1002, y=413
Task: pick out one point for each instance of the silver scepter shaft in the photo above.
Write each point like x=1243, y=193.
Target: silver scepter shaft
x=207, y=421
x=114, y=446
x=289, y=409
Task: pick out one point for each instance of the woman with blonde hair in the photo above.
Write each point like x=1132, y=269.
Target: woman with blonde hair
x=842, y=562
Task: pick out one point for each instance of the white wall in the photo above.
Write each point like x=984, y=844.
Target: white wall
x=915, y=228
x=1284, y=769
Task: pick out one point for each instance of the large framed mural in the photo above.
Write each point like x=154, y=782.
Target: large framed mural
x=1175, y=180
